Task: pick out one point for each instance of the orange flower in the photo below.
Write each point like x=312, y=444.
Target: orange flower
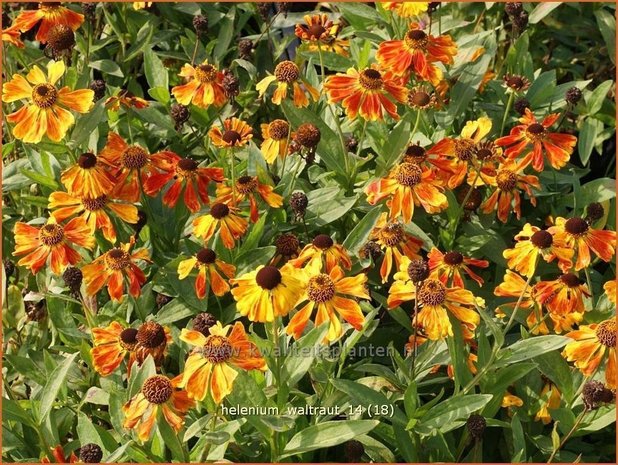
x=207, y=263
x=532, y=242
x=110, y=269
x=430, y=159
x=231, y=226
x=12, y=35
x=449, y=265
x=589, y=346
x=93, y=211
x=248, y=187
x=126, y=99
x=211, y=365
x=406, y=9
x=407, y=185
x=204, y=87
x=111, y=345
x=276, y=136
x=509, y=179
x=51, y=240
x=58, y=454
x=326, y=293
x=49, y=15
x=288, y=74
x=558, y=147
x=435, y=301
x=158, y=394
x=236, y=133
x=267, y=292
x=579, y=236
x=131, y=166
x=417, y=52
x=550, y=399
x=89, y=177
x=511, y=400
x=368, y=92
x=45, y=113
x=395, y=242
x=610, y=291
x=152, y=340
x=322, y=251
x=181, y=171
x=564, y=295
x=321, y=33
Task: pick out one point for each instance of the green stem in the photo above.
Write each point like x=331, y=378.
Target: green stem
x=341, y=140
x=463, y=205
x=230, y=153
x=568, y=435
x=506, y=112
x=358, y=150
x=321, y=65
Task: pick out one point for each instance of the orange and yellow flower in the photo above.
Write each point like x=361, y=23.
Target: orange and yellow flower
x=208, y=266
x=126, y=99
x=288, y=74
x=211, y=366
x=45, y=112
x=610, y=291
x=93, y=210
x=152, y=341
x=563, y=295
x=235, y=133
x=53, y=241
x=322, y=254
x=417, y=53
x=223, y=217
x=579, y=236
x=407, y=185
x=533, y=242
x=407, y=9
x=89, y=177
x=58, y=453
x=185, y=173
x=369, y=93
x=249, y=187
x=557, y=146
x=435, y=302
x=320, y=33
x=325, y=293
x=276, y=137
x=112, y=267
x=12, y=35
x=591, y=343
x=267, y=292
x=204, y=87
x=550, y=399
x=111, y=344
x=450, y=265
x=49, y=15
x=158, y=395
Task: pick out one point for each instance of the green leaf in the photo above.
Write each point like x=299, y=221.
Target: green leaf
x=86, y=124
x=541, y=11
x=139, y=375
x=587, y=137
x=594, y=100
x=526, y=349
x=107, y=67
x=170, y=438
x=40, y=179
x=327, y=434
x=443, y=416
x=358, y=236
x=542, y=88
x=303, y=353
x=156, y=73
x=51, y=390
x=519, y=441
x=607, y=25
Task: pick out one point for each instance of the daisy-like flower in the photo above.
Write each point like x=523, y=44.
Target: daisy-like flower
x=564, y=295
x=326, y=294
x=89, y=177
x=131, y=166
x=506, y=198
x=436, y=302
x=420, y=99
x=93, y=210
x=209, y=268
x=48, y=15
x=407, y=185
x=53, y=241
x=368, y=93
x=449, y=266
x=610, y=291
x=579, y=236
x=287, y=247
x=45, y=112
x=152, y=340
x=185, y=174
x=159, y=395
x=111, y=345
x=112, y=267
x=212, y=366
x=532, y=134
x=417, y=52
x=396, y=244
x=288, y=74
x=223, y=217
x=12, y=35
x=532, y=242
x=550, y=399
x=322, y=254
x=126, y=99
x=249, y=187
x=407, y=9
x=267, y=292
x=319, y=32
x=235, y=133
x=429, y=159
x=516, y=83
x=275, y=135
x=204, y=87
x=590, y=345
x=58, y=453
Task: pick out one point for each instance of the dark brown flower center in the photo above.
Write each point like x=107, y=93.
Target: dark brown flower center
x=246, y=184
x=217, y=349
x=278, y=129
x=268, y=277
x=51, y=234
x=321, y=288
x=95, y=204
x=206, y=73
x=431, y=292
x=150, y=335
x=87, y=160
x=408, y=174
x=420, y=99
x=219, y=210
x=157, y=389
x=231, y=137
x=44, y=95
x=453, y=258
x=464, y=149
x=206, y=256
x=371, y=79
x=134, y=157
x=117, y=259
x=323, y=241
x=128, y=338
x=515, y=82
x=308, y=135
x=542, y=239
x=576, y=226
x=287, y=244
x=392, y=234
x=570, y=279
x=287, y=72
x=416, y=39
x=506, y=180
x=485, y=151
x=186, y=164
x=418, y=270
x=606, y=333
x=536, y=131
x=315, y=31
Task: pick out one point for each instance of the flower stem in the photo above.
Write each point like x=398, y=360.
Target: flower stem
x=568, y=435
x=507, y=110
x=233, y=174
